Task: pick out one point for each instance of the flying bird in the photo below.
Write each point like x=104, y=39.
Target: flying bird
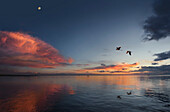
x=129, y=93
x=118, y=48
x=128, y=52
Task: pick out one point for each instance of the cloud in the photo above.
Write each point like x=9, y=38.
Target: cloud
x=80, y=65
x=155, y=63
x=163, y=69
x=21, y=49
x=112, y=68
x=115, y=67
x=101, y=71
x=103, y=65
x=157, y=26
x=70, y=60
x=162, y=56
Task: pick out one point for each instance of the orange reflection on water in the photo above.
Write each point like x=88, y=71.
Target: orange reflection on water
x=123, y=82
x=35, y=98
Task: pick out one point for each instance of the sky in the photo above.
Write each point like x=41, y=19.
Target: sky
x=81, y=36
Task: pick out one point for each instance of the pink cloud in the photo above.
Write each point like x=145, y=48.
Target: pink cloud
x=21, y=49
x=123, y=68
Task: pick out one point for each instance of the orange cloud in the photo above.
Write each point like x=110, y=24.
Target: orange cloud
x=70, y=60
x=122, y=68
x=21, y=49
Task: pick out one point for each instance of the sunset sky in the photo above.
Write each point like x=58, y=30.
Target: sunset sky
x=81, y=36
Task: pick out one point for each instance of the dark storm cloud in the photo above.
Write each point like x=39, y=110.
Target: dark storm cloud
x=155, y=63
x=157, y=26
x=163, y=69
x=162, y=56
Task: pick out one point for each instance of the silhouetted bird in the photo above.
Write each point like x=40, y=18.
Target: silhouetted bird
x=129, y=93
x=118, y=48
x=128, y=52
x=119, y=97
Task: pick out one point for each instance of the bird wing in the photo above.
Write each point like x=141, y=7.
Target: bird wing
x=129, y=53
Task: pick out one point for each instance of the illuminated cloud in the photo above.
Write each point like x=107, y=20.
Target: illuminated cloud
x=21, y=49
x=70, y=60
x=112, y=68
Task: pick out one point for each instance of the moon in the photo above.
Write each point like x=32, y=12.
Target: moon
x=39, y=8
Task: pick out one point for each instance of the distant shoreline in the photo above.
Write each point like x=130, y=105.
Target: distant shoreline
x=35, y=75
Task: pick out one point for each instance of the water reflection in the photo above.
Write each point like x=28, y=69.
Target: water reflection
x=163, y=97
x=121, y=82
x=31, y=97
x=85, y=93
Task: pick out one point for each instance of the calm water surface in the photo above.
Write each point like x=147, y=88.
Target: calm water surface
x=85, y=94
